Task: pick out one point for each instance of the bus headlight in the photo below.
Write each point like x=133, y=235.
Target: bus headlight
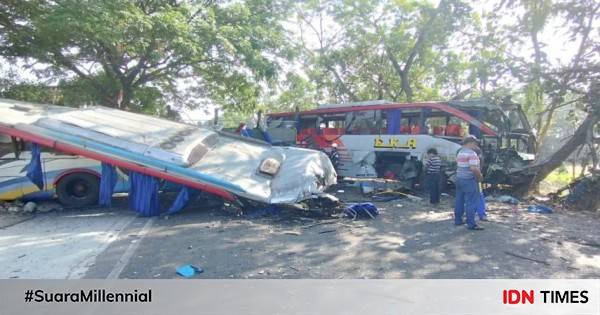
x=269, y=166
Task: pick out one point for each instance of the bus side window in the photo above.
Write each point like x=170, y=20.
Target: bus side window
x=363, y=123
x=436, y=125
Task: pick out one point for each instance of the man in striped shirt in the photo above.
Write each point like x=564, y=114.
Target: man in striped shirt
x=468, y=176
x=433, y=167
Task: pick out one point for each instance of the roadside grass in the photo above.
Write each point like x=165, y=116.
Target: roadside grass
x=559, y=178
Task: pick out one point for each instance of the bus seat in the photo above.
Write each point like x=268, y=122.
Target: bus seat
x=438, y=130
x=333, y=131
x=415, y=130
x=308, y=131
x=388, y=174
x=405, y=129
x=454, y=130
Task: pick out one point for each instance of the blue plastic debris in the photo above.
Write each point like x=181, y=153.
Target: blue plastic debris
x=365, y=210
x=188, y=270
x=539, y=209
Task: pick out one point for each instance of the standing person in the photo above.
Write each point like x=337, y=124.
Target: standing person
x=433, y=167
x=334, y=156
x=481, y=204
x=468, y=177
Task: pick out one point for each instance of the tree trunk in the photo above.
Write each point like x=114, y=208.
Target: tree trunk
x=543, y=168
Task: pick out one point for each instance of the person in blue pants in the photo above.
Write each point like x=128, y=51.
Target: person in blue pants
x=481, y=204
x=468, y=176
x=459, y=206
x=481, y=208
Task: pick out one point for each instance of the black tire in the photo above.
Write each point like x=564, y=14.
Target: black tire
x=78, y=190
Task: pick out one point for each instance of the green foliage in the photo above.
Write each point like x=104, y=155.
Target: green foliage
x=132, y=53
x=38, y=93
x=384, y=49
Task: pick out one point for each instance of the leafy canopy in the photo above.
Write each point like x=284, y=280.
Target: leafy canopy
x=135, y=53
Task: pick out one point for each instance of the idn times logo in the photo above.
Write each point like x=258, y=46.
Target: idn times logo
x=514, y=296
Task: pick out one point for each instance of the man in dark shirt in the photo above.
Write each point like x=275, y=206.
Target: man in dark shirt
x=433, y=167
x=334, y=156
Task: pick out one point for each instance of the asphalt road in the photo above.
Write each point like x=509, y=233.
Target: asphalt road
x=408, y=240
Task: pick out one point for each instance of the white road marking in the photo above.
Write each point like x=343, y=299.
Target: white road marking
x=78, y=271
x=126, y=257
x=58, y=245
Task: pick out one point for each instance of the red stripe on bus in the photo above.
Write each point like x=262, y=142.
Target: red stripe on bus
x=107, y=159
x=441, y=106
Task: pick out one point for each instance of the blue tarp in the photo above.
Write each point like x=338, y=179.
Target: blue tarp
x=143, y=194
x=108, y=180
x=34, y=169
x=181, y=201
x=393, y=121
x=183, y=198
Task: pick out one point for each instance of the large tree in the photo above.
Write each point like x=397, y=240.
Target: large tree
x=381, y=49
x=549, y=85
x=126, y=53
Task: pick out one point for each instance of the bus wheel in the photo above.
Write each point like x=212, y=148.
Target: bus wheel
x=78, y=190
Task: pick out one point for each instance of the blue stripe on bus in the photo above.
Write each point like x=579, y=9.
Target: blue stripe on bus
x=143, y=160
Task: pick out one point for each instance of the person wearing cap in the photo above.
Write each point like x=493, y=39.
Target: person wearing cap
x=468, y=177
x=460, y=202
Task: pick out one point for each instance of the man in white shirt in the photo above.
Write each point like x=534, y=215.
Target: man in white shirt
x=468, y=176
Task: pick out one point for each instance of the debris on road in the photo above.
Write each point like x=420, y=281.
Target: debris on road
x=29, y=207
x=188, y=271
x=505, y=199
x=363, y=210
x=320, y=223
x=527, y=258
x=17, y=207
x=327, y=231
x=48, y=206
x=539, y=209
x=582, y=192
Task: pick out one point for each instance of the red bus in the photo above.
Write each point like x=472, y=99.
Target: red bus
x=389, y=140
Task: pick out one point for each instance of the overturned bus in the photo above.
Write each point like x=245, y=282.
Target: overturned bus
x=390, y=140
x=242, y=170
